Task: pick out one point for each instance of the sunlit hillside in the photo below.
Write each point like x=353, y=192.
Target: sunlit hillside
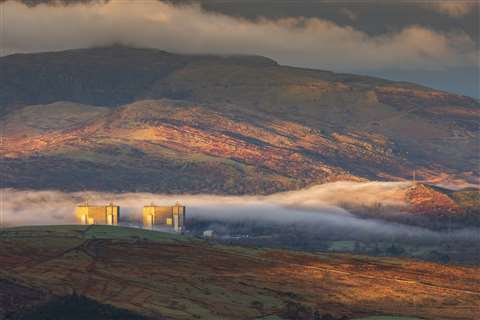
x=146, y=120
x=161, y=275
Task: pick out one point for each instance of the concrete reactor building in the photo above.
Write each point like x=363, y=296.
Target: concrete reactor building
x=169, y=216
x=87, y=214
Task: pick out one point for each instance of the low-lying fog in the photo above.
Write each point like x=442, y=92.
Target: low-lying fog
x=318, y=209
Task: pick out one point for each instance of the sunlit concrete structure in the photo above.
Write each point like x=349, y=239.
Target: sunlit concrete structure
x=87, y=214
x=168, y=216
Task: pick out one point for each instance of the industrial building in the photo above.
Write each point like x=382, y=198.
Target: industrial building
x=168, y=216
x=87, y=214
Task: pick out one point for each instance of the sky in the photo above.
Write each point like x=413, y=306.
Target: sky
x=434, y=43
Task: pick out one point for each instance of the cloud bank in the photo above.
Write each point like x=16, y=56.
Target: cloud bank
x=455, y=8
x=316, y=209
x=44, y=207
x=304, y=42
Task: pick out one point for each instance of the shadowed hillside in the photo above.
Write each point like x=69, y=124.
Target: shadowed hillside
x=74, y=307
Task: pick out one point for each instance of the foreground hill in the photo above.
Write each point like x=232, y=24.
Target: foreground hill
x=124, y=119
x=159, y=275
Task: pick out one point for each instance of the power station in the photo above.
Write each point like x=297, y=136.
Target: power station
x=171, y=217
x=109, y=214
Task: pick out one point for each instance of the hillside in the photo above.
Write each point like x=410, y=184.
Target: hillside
x=425, y=205
x=159, y=275
x=124, y=119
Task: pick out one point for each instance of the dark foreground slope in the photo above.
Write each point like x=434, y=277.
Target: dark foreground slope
x=127, y=119
x=72, y=307
x=161, y=275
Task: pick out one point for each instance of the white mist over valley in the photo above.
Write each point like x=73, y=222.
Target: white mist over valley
x=319, y=209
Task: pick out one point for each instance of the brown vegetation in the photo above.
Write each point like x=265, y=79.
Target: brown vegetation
x=157, y=274
x=124, y=119
x=426, y=200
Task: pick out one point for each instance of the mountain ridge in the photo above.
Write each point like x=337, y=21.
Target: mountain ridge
x=118, y=53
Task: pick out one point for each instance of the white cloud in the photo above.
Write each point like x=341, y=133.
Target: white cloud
x=37, y=207
x=453, y=8
x=302, y=42
x=317, y=208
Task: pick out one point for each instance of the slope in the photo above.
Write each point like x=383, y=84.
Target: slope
x=156, y=274
x=240, y=118
x=176, y=146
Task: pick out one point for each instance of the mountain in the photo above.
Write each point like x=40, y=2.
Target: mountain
x=129, y=119
x=157, y=275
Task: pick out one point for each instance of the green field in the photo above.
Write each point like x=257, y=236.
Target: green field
x=92, y=232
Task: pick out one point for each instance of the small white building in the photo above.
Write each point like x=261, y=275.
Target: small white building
x=208, y=234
